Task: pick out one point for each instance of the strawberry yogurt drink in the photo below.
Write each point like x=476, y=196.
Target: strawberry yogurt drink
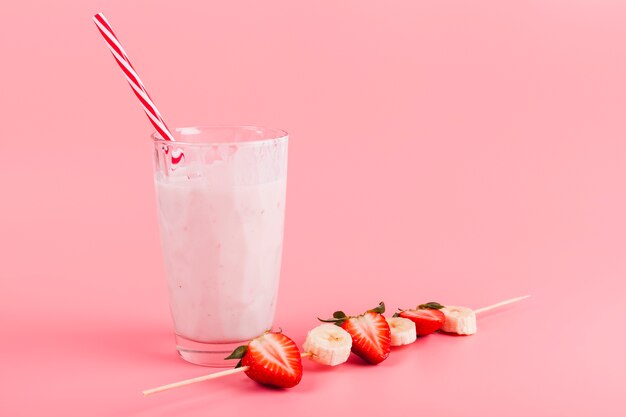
x=221, y=202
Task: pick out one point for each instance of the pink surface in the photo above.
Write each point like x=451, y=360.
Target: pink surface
x=465, y=152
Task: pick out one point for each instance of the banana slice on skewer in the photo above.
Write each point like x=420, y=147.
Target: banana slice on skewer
x=328, y=344
x=402, y=331
x=460, y=320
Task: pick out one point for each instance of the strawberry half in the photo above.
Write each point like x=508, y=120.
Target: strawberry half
x=427, y=318
x=272, y=359
x=371, y=337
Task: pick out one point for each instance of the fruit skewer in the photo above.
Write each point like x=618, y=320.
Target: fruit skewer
x=245, y=368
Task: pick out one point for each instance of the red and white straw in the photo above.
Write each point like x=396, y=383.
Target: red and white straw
x=133, y=79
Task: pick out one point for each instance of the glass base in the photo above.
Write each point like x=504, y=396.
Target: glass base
x=207, y=354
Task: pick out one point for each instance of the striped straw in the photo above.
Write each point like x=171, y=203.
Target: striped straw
x=135, y=82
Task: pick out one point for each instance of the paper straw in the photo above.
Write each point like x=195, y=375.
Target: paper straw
x=135, y=82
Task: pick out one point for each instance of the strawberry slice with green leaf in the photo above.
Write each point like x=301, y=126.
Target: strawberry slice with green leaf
x=427, y=317
x=272, y=359
x=371, y=336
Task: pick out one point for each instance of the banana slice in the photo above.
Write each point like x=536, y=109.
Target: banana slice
x=328, y=344
x=402, y=331
x=460, y=320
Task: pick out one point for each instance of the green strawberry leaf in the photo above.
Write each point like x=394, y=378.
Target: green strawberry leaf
x=380, y=309
x=432, y=305
x=335, y=321
x=328, y=321
x=238, y=353
x=339, y=315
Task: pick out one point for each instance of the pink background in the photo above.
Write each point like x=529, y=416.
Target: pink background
x=458, y=151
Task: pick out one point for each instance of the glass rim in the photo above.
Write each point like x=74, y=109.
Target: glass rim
x=278, y=135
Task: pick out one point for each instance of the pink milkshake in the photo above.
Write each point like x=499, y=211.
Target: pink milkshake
x=221, y=213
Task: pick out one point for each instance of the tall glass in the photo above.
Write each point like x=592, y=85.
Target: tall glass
x=221, y=205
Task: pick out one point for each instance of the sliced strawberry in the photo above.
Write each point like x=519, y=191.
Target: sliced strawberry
x=371, y=336
x=427, y=318
x=272, y=359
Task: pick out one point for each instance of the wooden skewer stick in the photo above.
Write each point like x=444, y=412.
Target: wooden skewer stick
x=500, y=304
x=203, y=378
x=194, y=380
x=303, y=355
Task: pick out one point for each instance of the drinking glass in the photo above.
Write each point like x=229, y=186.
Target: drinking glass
x=221, y=204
